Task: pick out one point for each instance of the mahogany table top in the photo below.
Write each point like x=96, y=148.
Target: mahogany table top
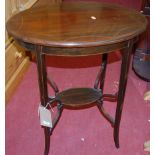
x=76, y=24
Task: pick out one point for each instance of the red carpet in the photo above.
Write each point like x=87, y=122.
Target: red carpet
x=79, y=132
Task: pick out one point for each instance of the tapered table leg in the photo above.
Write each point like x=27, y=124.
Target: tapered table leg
x=101, y=75
x=104, y=66
x=126, y=55
x=47, y=140
x=42, y=80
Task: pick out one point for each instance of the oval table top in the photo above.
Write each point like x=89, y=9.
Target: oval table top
x=76, y=24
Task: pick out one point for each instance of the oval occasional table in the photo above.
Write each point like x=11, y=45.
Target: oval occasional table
x=79, y=29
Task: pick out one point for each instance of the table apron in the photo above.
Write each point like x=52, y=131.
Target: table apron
x=77, y=51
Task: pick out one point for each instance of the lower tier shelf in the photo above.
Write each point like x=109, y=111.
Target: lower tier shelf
x=79, y=96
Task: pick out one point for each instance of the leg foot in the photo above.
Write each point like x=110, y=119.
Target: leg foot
x=116, y=140
x=105, y=114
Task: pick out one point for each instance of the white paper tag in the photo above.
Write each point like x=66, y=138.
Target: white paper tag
x=45, y=117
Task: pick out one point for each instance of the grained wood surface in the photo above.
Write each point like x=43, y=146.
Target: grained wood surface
x=79, y=96
x=14, y=56
x=80, y=24
x=16, y=79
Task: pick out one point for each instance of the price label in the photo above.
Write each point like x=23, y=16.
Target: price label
x=45, y=117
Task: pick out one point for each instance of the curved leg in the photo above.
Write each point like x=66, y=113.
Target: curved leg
x=104, y=66
x=55, y=121
x=101, y=75
x=42, y=80
x=121, y=92
x=100, y=80
x=52, y=84
x=105, y=114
